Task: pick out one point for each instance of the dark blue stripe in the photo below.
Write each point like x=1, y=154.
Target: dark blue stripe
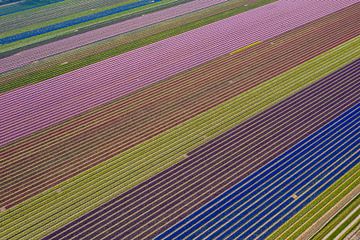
x=309, y=144
x=57, y=26
x=257, y=181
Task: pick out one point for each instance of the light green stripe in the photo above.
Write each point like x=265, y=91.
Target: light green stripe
x=339, y=218
x=50, y=210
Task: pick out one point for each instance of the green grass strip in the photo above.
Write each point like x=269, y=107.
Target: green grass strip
x=74, y=197
x=42, y=75
x=71, y=29
x=338, y=218
x=298, y=224
x=347, y=223
x=352, y=229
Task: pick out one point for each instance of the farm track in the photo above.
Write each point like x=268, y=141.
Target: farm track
x=45, y=163
x=53, y=208
x=63, y=97
x=160, y=202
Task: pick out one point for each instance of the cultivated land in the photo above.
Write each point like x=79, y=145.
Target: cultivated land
x=55, y=207
x=70, y=30
x=79, y=40
x=263, y=200
x=185, y=120
x=89, y=54
x=57, y=10
x=126, y=73
x=117, y=122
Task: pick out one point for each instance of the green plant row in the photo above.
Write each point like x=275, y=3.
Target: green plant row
x=71, y=29
x=298, y=224
x=67, y=201
x=42, y=75
x=354, y=229
x=338, y=218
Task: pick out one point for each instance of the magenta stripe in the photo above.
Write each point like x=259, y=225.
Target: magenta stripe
x=34, y=107
x=37, y=53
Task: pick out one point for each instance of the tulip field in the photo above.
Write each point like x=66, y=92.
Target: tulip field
x=188, y=119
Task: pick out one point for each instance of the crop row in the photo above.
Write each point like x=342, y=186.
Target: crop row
x=344, y=223
x=19, y=6
x=58, y=10
x=174, y=193
x=75, y=21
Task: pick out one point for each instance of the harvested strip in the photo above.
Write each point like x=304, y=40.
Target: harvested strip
x=255, y=206
x=347, y=226
x=354, y=232
x=67, y=201
x=340, y=221
x=91, y=146
x=79, y=40
x=62, y=97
